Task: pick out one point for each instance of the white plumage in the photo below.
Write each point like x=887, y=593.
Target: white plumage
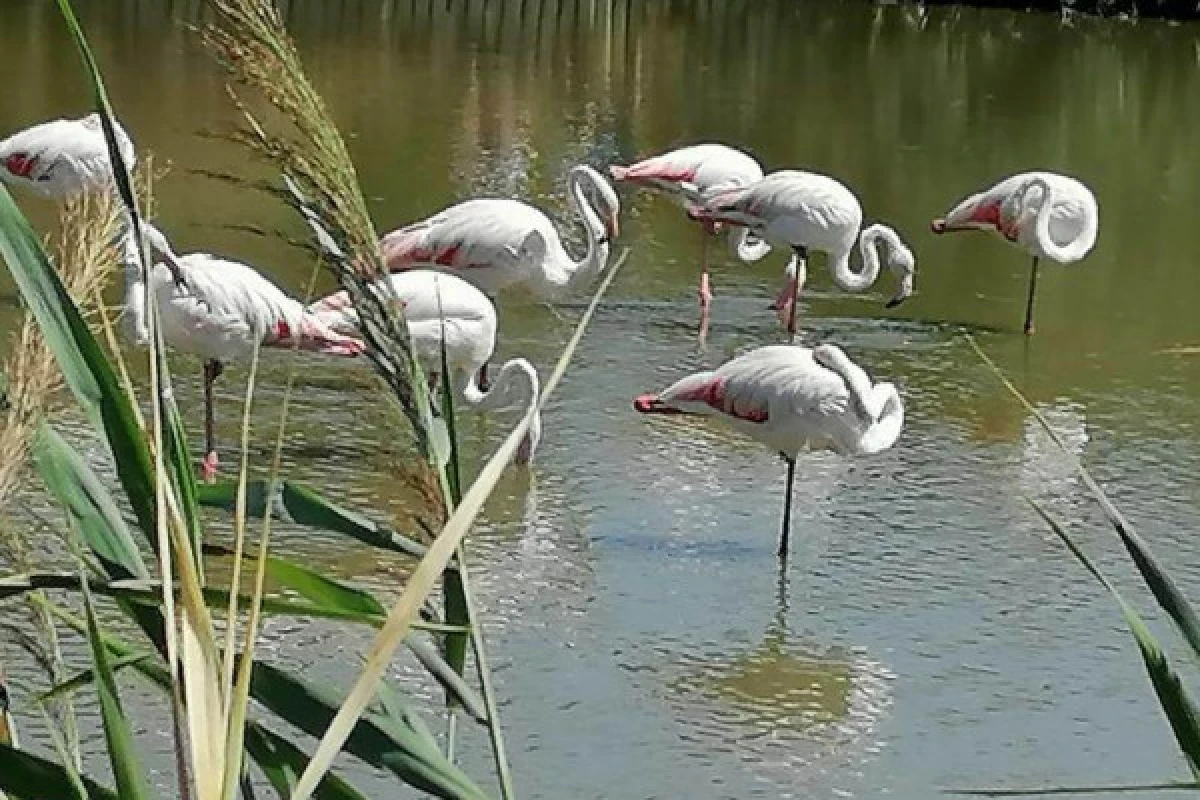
x=62, y=157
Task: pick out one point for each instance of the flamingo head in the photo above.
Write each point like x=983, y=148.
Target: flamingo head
x=904, y=266
x=653, y=404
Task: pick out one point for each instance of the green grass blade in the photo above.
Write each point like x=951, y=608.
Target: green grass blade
x=1172, y=696
x=31, y=777
x=91, y=508
x=82, y=361
x=295, y=503
x=1160, y=583
x=86, y=676
x=282, y=762
x=179, y=461
x=129, y=776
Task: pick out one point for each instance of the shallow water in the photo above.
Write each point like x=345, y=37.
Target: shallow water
x=928, y=632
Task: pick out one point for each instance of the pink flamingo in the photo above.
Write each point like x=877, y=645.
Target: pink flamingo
x=791, y=398
x=1045, y=214
x=62, y=157
x=219, y=310
x=495, y=242
x=444, y=309
x=804, y=210
x=691, y=174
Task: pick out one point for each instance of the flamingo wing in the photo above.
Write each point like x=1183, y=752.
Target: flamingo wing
x=62, y=157
x=694, y=171
x=489, y=233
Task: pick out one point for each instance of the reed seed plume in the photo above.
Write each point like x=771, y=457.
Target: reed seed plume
x=298, y=135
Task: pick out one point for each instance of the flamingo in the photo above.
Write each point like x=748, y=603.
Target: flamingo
x=497, y=242
x=220, y=310
x=1045, y=214
x=791, y=398
x=803, y=210
x=690, y=174
x=444, y=308
x=62, y=157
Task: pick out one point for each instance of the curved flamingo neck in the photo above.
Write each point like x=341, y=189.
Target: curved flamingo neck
x=567, y=273
x=879, y=405
x=516, y=387
x=1074, y=250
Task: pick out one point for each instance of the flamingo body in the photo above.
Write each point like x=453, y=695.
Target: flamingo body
x=495, y=243
x=62, y=157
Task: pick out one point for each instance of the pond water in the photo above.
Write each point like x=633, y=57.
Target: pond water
x=927, y=632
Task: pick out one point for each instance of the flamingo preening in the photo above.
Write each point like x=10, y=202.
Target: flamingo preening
x=496, y=242
x=690, y=175
x=441, y=308
x=62, y=157
x=1045, y=214
x=791, y=398
x=803, y=211
x=219, y=310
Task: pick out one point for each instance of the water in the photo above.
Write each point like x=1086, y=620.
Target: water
x=928, y=632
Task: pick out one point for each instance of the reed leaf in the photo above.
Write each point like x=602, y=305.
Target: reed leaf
x=1049, y=791
x=298, y=504
x=1159, y=581
x=1181, y=712
x=86, y=676
x=282, y=762
x=25, y=775
x=85, y=369
x=425, y=577
x=129, y=776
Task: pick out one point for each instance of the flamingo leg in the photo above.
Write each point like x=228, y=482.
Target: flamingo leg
x=704, y=292
x=212, y=371
x=787, y=509
x=801, y=269
x=482, y=378
x=1033, y=275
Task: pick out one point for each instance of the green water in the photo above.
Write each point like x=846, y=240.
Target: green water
x=927, y=633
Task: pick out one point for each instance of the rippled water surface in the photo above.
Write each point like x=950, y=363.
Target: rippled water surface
x=927, y=633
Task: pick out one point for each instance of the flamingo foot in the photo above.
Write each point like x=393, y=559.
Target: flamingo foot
x=208, y=467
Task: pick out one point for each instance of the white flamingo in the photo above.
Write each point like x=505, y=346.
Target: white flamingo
x=495, y=242
x=440, y=307
x=1045, y=214
x=62, y=157
x=791, y=398
x=219, y=310
x=804, y=210
x=690, y=175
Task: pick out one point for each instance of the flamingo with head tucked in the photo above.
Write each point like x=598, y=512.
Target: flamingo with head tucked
x=804, y=210
x=1045, y=214
x=220, y=310
x=691, y=174
x=441, y=308
x=791, y=398
x=62, y=157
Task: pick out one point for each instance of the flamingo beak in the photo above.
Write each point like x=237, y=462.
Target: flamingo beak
x=651, y=404
x=938, y=226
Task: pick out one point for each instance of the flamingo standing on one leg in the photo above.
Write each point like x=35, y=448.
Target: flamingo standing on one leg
x=441, y=308
x=62, y=157
x=791, y=398
x=1045, y=214
x=804, y=210
x=219, y=310
x=691, y=174
x=498, y=242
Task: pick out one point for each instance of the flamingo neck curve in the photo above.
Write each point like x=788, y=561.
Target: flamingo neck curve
x=1064, y=254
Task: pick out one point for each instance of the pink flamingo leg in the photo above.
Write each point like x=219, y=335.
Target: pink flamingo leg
x=208, y=467
x=705, y=290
